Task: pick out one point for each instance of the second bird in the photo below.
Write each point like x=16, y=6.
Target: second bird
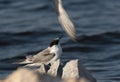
x=64, y=19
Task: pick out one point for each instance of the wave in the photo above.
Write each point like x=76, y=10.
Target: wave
x=8, y=38
x=104, y=38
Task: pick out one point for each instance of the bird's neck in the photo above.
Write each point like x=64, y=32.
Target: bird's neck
x=55, y=48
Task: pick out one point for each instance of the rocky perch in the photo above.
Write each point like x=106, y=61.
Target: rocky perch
x=71, y=71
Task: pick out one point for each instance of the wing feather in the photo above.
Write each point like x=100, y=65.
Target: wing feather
x=64, y=19
x=43, y=56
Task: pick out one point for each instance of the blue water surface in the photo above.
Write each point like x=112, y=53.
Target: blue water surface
x=28, y=26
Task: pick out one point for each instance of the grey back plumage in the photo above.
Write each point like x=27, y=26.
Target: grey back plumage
x=43, y=56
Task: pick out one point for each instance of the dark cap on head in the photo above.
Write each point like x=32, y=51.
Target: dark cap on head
x=55, y=41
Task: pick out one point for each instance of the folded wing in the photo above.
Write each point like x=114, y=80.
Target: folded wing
x=43, y=56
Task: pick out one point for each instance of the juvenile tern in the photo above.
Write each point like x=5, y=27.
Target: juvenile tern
x=48, y=55
x=64, y=19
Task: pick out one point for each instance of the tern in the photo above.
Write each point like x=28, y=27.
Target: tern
x=48, y=55
x=64, y=19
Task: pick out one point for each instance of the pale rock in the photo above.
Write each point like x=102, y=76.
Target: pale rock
x=66, y=70
x=25, y=75
x=71, y=70
x=54, y=68
x=41, y=69
x=22, y=75
x=74, y=69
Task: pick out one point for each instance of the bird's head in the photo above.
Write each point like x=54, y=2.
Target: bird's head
x=55, y=41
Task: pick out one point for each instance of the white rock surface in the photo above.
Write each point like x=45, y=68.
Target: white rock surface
x=41, y=69
x=74, y=69
x=71, y=69
x=25, y=75
x=54, y=68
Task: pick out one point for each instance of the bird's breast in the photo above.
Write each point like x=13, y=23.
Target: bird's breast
x=57, y=50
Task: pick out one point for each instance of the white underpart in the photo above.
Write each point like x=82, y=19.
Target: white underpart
x=57, y=50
